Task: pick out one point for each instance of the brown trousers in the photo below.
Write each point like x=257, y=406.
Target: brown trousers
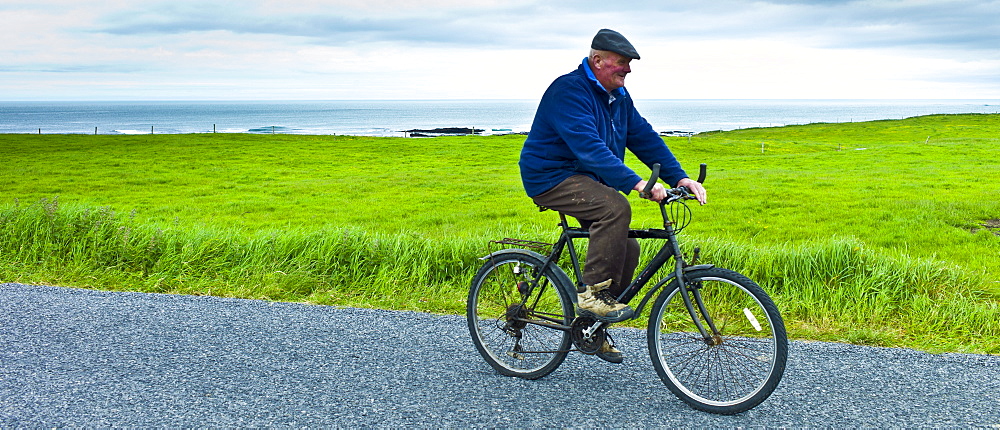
x=607, y=213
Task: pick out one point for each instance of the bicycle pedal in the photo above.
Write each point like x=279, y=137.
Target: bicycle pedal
x=516, y=355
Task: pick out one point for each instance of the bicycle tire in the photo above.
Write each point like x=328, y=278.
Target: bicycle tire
x=747, y=361
x=511, y=346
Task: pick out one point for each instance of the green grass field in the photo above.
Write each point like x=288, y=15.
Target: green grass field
x=880, y=233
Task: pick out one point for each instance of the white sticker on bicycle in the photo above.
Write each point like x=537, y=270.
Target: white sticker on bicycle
x=753, y=319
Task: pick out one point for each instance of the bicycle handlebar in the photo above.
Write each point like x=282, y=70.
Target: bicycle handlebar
x=646, y=193
x=679, y=192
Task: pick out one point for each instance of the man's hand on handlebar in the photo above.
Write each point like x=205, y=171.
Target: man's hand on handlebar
x=657, y=193
x=686, y=187
x=695, y=188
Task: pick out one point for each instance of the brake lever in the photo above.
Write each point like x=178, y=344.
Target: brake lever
x=679, y=193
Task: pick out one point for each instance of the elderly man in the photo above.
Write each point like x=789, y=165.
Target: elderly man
x=573, y=162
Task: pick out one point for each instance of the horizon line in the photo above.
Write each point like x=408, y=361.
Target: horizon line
x=476, y=100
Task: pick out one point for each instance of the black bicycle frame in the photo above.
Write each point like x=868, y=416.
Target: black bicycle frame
x=669, y=250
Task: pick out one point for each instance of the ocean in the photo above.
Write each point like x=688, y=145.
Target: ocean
x=392, y=118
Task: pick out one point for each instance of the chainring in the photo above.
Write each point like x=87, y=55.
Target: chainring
x=587, y=345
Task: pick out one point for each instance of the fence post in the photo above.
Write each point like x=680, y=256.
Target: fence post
x=95, y=131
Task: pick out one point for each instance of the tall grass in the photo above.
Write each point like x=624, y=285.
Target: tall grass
x=87, y=247
x=840, y=289
x=834, y=289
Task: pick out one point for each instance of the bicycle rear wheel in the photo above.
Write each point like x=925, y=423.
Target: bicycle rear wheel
x=515, y=326
x=742, y=362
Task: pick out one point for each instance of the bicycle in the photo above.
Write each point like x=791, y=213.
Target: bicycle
x=715, y=337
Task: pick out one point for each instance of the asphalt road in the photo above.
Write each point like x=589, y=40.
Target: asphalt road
x=81, y=358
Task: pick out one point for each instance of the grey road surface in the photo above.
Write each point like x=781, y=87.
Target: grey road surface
x=81, y=358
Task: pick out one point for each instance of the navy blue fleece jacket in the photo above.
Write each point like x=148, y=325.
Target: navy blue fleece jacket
x=581, y=129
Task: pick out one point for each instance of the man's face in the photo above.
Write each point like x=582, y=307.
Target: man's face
x=610, y=70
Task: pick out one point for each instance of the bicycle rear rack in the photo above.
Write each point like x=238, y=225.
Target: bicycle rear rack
x=522, y=243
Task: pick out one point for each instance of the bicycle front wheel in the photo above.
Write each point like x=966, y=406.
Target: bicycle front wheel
x=519, y=327
x=739, y=363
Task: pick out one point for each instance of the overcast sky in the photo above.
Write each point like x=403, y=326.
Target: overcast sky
x=493, y=49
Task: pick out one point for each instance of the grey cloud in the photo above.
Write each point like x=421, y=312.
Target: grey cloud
x=961, y=24
x=877, y=24
x=71, y=68
x=484, y=27
x=958, y=25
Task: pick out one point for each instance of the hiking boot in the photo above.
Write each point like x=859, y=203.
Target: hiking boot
x=596, y=302
x=609, y=353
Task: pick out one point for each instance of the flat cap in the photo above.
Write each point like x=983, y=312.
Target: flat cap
x=610, y=40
